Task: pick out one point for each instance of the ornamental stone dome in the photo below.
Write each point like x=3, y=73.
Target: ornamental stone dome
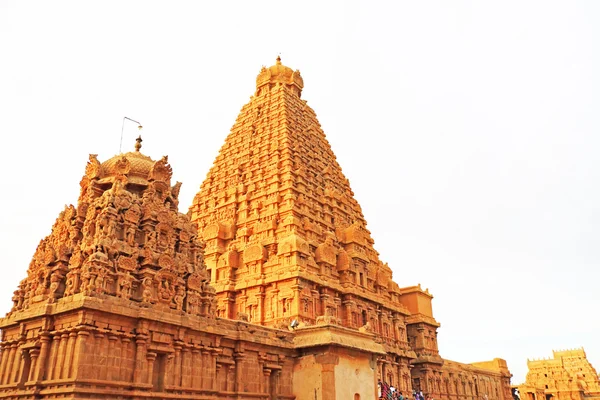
x=279, y=74
x=134, y=165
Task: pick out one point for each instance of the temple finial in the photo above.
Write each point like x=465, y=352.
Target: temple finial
x=138, y=143
x=278, y=60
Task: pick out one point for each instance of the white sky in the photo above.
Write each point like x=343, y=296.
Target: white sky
x=468, y=130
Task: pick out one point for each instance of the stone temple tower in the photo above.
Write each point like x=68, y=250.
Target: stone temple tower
x=286, y=242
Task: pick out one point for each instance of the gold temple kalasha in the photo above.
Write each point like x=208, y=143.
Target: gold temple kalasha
x=269, y=288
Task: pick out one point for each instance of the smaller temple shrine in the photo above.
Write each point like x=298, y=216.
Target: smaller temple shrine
x=568, y=375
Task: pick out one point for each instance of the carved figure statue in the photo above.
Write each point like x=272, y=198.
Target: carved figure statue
x=178, y=299
x=147, y=291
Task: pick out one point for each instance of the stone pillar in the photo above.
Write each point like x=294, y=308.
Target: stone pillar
x=52, y=358
x=4, y=355
x=261, y=308
x=261, y=363
x=176, y=370
x=60, y=356
x=239, y=361
x=215, y=379
x=206, y=366
x=230, y=383
x=9, y=358
x=66, y=372
x=196, y=369
x=20, y=379
x=78, y=351
x=213, y=367
x=384, y=371
x=125, y=361
x=185, y=367
x=328, y=363
x=102, y=350
x=113, y=358
x=14, y=369
x=40, y=368
x=267, y=380
x=324, y=300
x=295, y=306
x=151, y=357
x=140, y=367
x=33, y=356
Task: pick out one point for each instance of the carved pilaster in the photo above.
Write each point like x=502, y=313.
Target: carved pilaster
x=151, y=358
x=13, y=363
x=186, y=356
x=196, y=369
x=78, y=352
x=33, y=356
x=140, y=368
x=239, y=361
x=40, y=368
x=60, y=356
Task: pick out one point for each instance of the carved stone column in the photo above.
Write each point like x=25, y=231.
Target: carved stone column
x=215, y=378
x=267, y=380
x=206, y=366
x=230, y=383
x=261, y=307
x=80, y=348
x=40, y=368
x=185, y=367
x=9, y=362
x=60, y=356
x=66, y=372
x=33, y=356
x=140, y=368
x=150, y=357
x=4, y=354
x=14, y=369
x=113, y=358
x=239, y=361
x=196, y=369
x=20, y=379
x=176, y=370
x=213, y=367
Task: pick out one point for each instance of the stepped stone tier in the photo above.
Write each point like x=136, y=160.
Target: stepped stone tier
x=270, y=288
x=568, y=375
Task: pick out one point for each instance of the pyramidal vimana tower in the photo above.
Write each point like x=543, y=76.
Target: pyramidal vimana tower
x=269, y=288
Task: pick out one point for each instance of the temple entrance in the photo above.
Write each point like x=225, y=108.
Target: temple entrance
x=549, y=397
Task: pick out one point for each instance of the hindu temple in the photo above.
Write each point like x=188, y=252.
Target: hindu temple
x=270, y=287
x=568, y=375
